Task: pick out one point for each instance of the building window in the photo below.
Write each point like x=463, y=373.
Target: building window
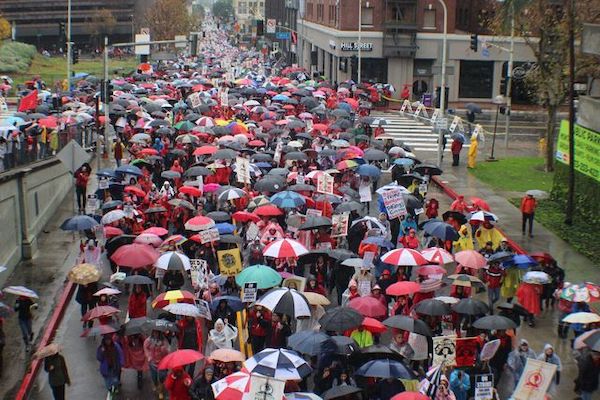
x=309, y=10
x=476, y=79
x=367, y=16
x=320, y=12
x=429, y=19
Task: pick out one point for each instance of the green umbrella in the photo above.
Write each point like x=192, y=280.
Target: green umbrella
x=266, y=277
x=184, y=125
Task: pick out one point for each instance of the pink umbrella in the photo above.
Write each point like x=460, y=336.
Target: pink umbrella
x=403, y=257
x=470, y=259
x=368, y=306
x=437, y=255
x=111, y=231
x=135, y=255
x=148, y=238
x=155, y=230
x=211, y=187
x=431, y=269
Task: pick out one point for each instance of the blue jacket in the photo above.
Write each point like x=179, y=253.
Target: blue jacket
x=460, y=386
x=104, y=368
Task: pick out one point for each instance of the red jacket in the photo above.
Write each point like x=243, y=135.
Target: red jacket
x=181, y=324
x=137, y=305
x=456, y=146
x=178, y=388
x=528, y=205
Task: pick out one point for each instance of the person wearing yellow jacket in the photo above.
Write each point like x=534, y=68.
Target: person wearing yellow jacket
x=472, y=154
x=363, y=337
x=488, y=233
x=465, y=239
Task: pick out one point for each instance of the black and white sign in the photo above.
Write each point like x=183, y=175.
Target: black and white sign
x=250, y=292
x=484, y=385
x=353, y=46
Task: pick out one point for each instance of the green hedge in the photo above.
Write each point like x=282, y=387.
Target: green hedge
x=16, y=57
x=587, y=193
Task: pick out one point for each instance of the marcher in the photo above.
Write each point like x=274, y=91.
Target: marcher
x=528, y=205
x=24, y=306
x=111, y=358
x=178, y=384
x=82, y=175
x=456, y=148
x=156, y=347
x=58, y=375
x=517, y=359
x=550, y=356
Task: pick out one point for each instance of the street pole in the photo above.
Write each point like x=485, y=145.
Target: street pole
x=106, y=97
x=69, y=49
x=509, y=74
x=571, y=193
x=440, y=152
x=359, y=40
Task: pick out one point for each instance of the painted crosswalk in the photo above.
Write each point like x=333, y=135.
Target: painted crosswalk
x=419, y=135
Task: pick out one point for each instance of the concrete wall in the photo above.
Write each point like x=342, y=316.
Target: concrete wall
x=29, y=198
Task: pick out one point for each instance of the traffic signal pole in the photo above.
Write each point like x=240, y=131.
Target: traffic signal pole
x=69, y=48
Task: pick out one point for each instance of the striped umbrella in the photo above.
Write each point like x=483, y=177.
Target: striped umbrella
x=279, y=364
x=437, y=255
x=284, y=248
x=232, y=386
x=232, y=194
x=173, y=297
x=286, y=301
x=199, y=223
x=403, y=257
x=173, y=260
x=258, y=201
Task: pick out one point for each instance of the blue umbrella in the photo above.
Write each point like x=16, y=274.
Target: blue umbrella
x=385, y=368
x=404, y=161
x=441, y=230
x=521, y=261
x=16, y=121
x=287, y=199
x=129, y=169
x=280, y=97
x=263, y=165
x=79, y=223
x=379, y=241
x=232, y=301
x=345, y=106
x=368, y=170
x=106, y=172
x=225, y=228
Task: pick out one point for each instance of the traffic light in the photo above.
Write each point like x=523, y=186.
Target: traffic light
x=474, y=42
x=62, y=31
x=74, y=55
x=503, y=85
x=260, y=27
x=194, y=45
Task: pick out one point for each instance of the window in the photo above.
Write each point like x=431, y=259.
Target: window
x=429, y=19
x=476, y=79
x=242, y=7
x=309, y=10
x=367, y=16
x=320, y=12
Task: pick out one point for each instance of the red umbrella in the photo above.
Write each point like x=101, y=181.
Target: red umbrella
x=403, y=288
x=99, y=312
x=135, y=255
x=482, y=204
x=284, y=248
x=410, y=396
x=268, y=211
x=135, y=190
x=368, y=306
x=403, y=257
x=149, y=151
x=542, y=257
x=98, y=330
x=191, y=191
x=172, y=297
x=470, y=259
x=245, y=216
x=199, y=223
x=180, y=358
x=205, y=151
x=111, y=231
x=373, y=326
x=256, y=143
x=320, y=127
x=431, y=269
x=155, y=230
x=48, y=122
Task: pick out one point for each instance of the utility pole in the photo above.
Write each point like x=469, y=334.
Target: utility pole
x=69, y=48
x=440, y=152
x=571, y=189
x=359, y=41
x=509, y=74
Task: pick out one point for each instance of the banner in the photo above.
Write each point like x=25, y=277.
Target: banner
x=265, y=388
x=325, y=184
x=535, y=380
x=194, y=99
x=252, y=233
x=466, y=352
x=340, y=224
x=587, y=149
x=311, y=212
x=444, y=350
x=242, y=170
x=365, y=192
x=209, y=235
x=394, y=203
x=484, y=387
x=230, y=261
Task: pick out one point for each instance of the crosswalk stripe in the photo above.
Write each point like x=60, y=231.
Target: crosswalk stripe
x=416, y=134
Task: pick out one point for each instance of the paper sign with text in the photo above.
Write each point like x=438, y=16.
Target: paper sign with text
x=394, y=203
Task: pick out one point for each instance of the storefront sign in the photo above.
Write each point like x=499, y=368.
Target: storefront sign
x=587, y=145
x=282, y=36
x=353, y=46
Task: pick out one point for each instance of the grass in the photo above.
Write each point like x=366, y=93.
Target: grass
x=517, y=174
x=52, y=69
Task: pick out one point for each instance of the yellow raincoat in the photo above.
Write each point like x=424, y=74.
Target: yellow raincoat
x=484, y=235
x=472, y=155
x=511, y=282
x=465, y=239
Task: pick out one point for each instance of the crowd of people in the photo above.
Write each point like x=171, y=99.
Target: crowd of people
x=251, y=231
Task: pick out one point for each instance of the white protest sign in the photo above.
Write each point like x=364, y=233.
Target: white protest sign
x=103, y=183
x=252, y=232
x=340, y=224
x=242, y=169
x=263, y=387
x=394, y=203
x=535, y=380
x=199, y=272
x=209, y=235
x=435, y=115
x=300, y=179
x=484, y=387
x=456, y=123
x=444, y=350
x=311, y=212
x=489, y=350
x=278, y=150
x=364, y=190
x=368, y=258
x=200, y=180
x=204, y=309
x=325, y=184
x=250, y=292
x=194, y=99
x=364, y=287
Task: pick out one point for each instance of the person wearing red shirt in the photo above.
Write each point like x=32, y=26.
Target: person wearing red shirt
x=137, y=303
x=190, y=333
x=410, y=241
x=314, y=286
x=528, y=205
x=455, y=149
x=432, y=208
x=259, y=322
x=82, y=175
x=460, y=205
x=493, y=277
x=178, y=384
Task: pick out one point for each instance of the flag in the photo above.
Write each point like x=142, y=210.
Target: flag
x=430, y=384
x=29, y=102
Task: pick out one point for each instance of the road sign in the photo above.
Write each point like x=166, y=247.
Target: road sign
x=145, y=49
x=181, y=38
x=271, y=25
x=282, y=35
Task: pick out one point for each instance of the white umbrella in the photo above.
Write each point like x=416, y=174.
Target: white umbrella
x=173, y=260
x=232, y=194
x=279, y=364
x=21, y=291
x=113, y=216
x=185, y=309
x=582, y=318
x=286, y=301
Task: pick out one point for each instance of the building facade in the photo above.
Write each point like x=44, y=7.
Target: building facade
x=247, y=12
x=402, y=45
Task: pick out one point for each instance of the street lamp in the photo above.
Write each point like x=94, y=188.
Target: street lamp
x=443, y=88
x=69, y=49
x=359, y=41
x=498, y=101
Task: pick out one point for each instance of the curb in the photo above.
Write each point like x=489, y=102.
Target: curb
x=48, y=335
x=453, y=195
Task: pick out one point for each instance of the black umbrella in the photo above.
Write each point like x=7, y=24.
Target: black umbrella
x=155, y=210
x=340, y=319
x=348, y=206
x=134, y=326
x=494, y=322
x=79, y=223
x=311, y=257
x=412, y=202
x=223, y=154
x=408, y=324
x=219, y=216
x=315, y=223
x=161, y=325
x=111, y=204
x=296, y=155
x=114, y=243
x=374, y=352
x=428, y=169
x=182, y=203
x=231, y=239
x=269, y=184
x=375, y=155
x=197, y=171
x=470, y=306
x=261, y=157
x=432, y=307
x=311, y=343
x=281, y=172
x=345, y=345
x=459, y=217
x=138, y=280
x=517, y=308
x=473, y=108
x=302, y=188
x=385, y=368
x=407, y=179
x=341, y=254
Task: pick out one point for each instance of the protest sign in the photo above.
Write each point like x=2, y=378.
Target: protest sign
x=263, y=387
x=484, y=387
x=103, y=183
x=199, y=272
x=204, y=309
x=394, y=203
x=466, y=352
x=249, y=293
x=325, y=184
x=444, y=350
x=311, y=212
x=364, y=190
x=194, y=99
x=340, y=224
x=230, y=261
x=278, y=150
x=242, y=170
x=252, y=232
x=300, y=179
x=489, y=350
x=535, y=380
x=368, y=258
x=209, y=235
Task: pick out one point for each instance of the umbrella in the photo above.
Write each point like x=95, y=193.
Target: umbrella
x=129, y=170
x=368, y=306
x=148, y=238
x=470, y=306
x=113, y=216
x=108, y=291
x=428, y=169
x=232, y=301
x=432, y=307
x=345, y=345
x=403, y=288
x=522, y=261
x=138, y=280
x=287, y=199
x=315, y=299
x=135, y=326
x=340, y=319
x=231, y=194
x=179, y=358
x=285, y=301
x=582, y=318
x=185, y=309
x=494, y=322
x=233, y=386
x=470, y=259
x=441, y=230
x=368, y=170
x=158, y=231
x=266, y=277
x=279, y=364
x=432, y=269
x=311, y=343
x=302, y=396
x=227, y=355
x=501, y=256
x=437, y=255
x=536, y=277
x=219, y=216
x=482, y=216
x=315, y=223
x=373, y=325
x=385, y=368
x=347, y=207
x=99, y=312
x=173, y=260
x=455, y=215
x=403, y=257
x=100, y=330
x=408, y=324
x=84, y=274
x=538, y=194
x=410, y=396
x=464, y=280
x=161, y=325
x=173, y=297
x=135, y=255
x=284, y=248
x=340, y=391
x=20, y=291
x=589, y=338
x=482, y=204
x=375, y=155
x=79, y=223
x=47, y=351
x=586, y=292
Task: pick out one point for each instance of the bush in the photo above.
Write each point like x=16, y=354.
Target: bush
x=16, y=57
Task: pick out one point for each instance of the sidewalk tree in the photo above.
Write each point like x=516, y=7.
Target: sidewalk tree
x=101, y=23
x=223, y=9
x=169, y=18
x=544, y=26
x=5, y=28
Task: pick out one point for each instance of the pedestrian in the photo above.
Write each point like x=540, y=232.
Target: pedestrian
x=86, y=299
x=118, y=151
x=443, y=391
x=190, y=337
x=551, y=357
x=259, y=323
x=24, y=307
x=460, y=383
x=517, y=359
x=178, y=384
x=362, y=337
x=493, y=277
x=135, y=358
x=58, y=374
x=82, y=176
x=472, y=155
x=137, y=302
x=201, y=389
x=528, y=205
x=587, y=381
x=156, y=347
x=221, y=336
x=111, y=358
x=456, y=147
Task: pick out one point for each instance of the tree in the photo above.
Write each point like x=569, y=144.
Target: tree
x=223, y=9
x=168, y=18
x=102, y=22
x=544, y=26
x=5, y=28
